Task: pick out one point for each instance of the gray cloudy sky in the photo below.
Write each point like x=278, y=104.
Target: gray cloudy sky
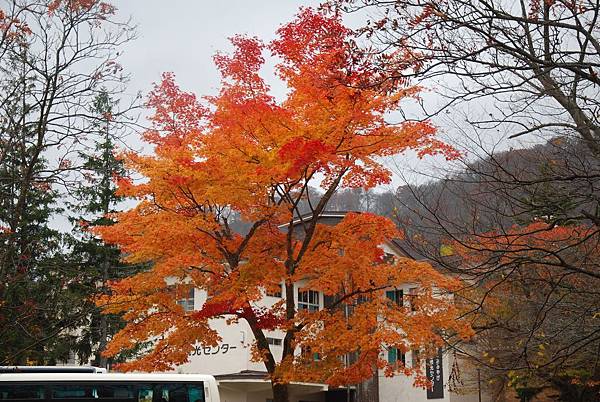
x=182, y=36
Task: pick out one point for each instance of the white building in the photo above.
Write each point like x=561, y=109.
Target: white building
x=241, y=380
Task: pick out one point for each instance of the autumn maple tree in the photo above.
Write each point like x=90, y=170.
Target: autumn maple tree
x=248, y=154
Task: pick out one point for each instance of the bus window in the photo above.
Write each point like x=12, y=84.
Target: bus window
x=14, y=392
x=91, y=387
x=64, y=391
x=173, y=393
x=145, y=394
x=114, y=391
x=195, y=393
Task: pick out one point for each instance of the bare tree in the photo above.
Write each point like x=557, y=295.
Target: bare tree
x=512, y=230
x=520, y=226
x=534, y=64
x=55, y=58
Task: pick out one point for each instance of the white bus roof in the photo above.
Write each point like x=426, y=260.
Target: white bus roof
x=96, y=377
x=51, y=369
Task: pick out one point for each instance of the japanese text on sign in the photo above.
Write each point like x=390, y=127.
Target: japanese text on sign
x=222, y=348
x=433, y=368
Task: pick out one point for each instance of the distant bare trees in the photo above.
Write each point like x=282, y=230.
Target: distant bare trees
x=512, y=230
x=533, y=64
x=521, y=226
x=55, y=58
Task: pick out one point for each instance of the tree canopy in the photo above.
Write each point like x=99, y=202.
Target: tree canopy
x=247, y=153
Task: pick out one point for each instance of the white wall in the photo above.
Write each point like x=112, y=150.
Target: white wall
x=400, y=387
x=233, y=353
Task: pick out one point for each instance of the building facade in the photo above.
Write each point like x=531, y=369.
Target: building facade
x=242, y=380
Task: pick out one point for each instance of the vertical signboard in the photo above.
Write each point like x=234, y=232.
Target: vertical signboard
x=433, y=365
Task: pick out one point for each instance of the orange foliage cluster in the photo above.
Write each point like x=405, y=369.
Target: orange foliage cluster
x=538, y=240
x=542, y=251
x=247, y=153
x=12, y=28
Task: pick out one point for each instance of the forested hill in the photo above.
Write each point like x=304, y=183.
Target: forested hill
x=550, y=180
x=554, y=180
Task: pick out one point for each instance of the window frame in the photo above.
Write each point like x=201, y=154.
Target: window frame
x=187, y=303
x=396, y=295
x=395, y=355
x=277, y=294
x=413, y=294
x=307, y=303
x=274, y=341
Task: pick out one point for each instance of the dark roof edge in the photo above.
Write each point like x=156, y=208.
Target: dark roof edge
x=244, y=374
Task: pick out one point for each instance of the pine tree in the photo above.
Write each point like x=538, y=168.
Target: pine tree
x=97, y=199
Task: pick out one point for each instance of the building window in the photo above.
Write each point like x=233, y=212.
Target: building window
x=396, y=356
x=274, y=341
x=308, y=300
x=187, y=302
x=278, y=292
x=416, y=358
x=389, y=258
x=412, y=296
x=308, y=354
x=363, y=298
x=396, y=295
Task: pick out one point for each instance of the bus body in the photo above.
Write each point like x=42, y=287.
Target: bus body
x=107, y=387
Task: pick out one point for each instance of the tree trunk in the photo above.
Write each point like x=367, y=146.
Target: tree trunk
x=106, y=191
x=280, y=392
x=103, y=361
x=368, y=390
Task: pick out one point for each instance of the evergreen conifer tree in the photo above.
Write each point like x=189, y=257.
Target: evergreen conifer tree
x=96, y=200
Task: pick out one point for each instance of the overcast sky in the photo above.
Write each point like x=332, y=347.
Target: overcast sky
x=181, y=36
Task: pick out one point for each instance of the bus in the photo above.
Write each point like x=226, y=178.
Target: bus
x=107, y=387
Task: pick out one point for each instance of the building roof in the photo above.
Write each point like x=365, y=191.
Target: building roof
x=244, y=374
x=333, y=217
x=255, y=381
x=307, y=217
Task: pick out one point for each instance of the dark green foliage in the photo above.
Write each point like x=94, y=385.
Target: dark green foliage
x=527, y=394
x=96, y=199
x=50, y=279
x=36, y=303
